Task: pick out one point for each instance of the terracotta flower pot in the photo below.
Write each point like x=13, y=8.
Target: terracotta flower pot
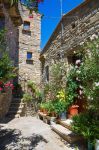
x=45, y=111
x=53, y=114
x=73, y=110
x=41, y=110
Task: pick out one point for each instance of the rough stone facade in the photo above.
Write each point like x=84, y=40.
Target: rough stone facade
x=20, y=42
x=78, y=26
x=29, y=42
x=11, y=34
x=5, y=100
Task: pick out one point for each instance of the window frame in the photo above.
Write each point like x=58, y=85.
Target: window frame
x=26, y=26
x=29, y=55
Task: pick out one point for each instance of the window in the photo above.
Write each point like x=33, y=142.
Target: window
x=2, y=23
x=73, y=58
x=73, y=25
x=29, y=55
x=47, y=73
x=26, y=26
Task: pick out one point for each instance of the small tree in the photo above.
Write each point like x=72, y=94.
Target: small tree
x=89, y=73
x=6, y=68
x=57, y=80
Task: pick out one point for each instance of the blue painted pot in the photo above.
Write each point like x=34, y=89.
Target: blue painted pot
x=90, y=146
x=63, y=116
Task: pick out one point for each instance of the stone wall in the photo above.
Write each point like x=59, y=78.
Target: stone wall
x=5, y=100
x=29, y=41
x=78, y=25
x=11, y=36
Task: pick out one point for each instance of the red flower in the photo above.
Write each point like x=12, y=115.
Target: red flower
x=1, y=82
x=9, y=84
x=1, y=89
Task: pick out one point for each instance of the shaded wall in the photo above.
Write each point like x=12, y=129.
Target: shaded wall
x=5, y=100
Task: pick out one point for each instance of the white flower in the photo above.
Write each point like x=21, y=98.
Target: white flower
x=81, y=43
x=94, y=36
x=96, y=84
x=77, y=79
x=80, y=92
x=74, y=52
x=78, y=71
x=78, y=61
x=81, y=87
x=76, y=67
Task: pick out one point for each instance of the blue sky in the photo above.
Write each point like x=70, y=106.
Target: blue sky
x=52, y=13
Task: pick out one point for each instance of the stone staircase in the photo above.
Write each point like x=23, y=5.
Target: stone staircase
x=63, y=129
x=16, y=108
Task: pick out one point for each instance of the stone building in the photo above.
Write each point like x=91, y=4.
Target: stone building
x=23, y=40
x=29, y=46
x=75, y=27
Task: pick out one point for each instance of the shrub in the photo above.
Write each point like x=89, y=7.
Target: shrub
x=6, y=68
x=87, y=125
x=27, y=98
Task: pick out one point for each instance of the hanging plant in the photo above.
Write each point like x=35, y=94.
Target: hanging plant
x=30, y=14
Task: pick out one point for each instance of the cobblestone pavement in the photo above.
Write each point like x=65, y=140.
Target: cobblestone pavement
x=29, y=133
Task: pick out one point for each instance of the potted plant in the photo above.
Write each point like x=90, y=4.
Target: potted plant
x=87, y=125
x=73, y=110
x=61, y=104
x=44, y=107
x=60, y=109
x=71, y=88
x=27, y=98
x=41, y=107
x=50, y=108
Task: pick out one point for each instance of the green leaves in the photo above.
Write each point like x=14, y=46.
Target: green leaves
x=90, y=73
x=13, y=2
x=27, y=98
x=87, y=125
x=6, y=68
x=72, y=86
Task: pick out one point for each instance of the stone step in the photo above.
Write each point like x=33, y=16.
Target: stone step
x=17, y=104
x=65, y=133
x=15, y=108
x=13, y=116
x=16, y=101
x=15, y=112
x=66, y=123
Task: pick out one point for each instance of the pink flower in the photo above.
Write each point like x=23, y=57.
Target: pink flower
x=1, y=89
x=39, y=1
x=30, y=16
x=12, y=87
